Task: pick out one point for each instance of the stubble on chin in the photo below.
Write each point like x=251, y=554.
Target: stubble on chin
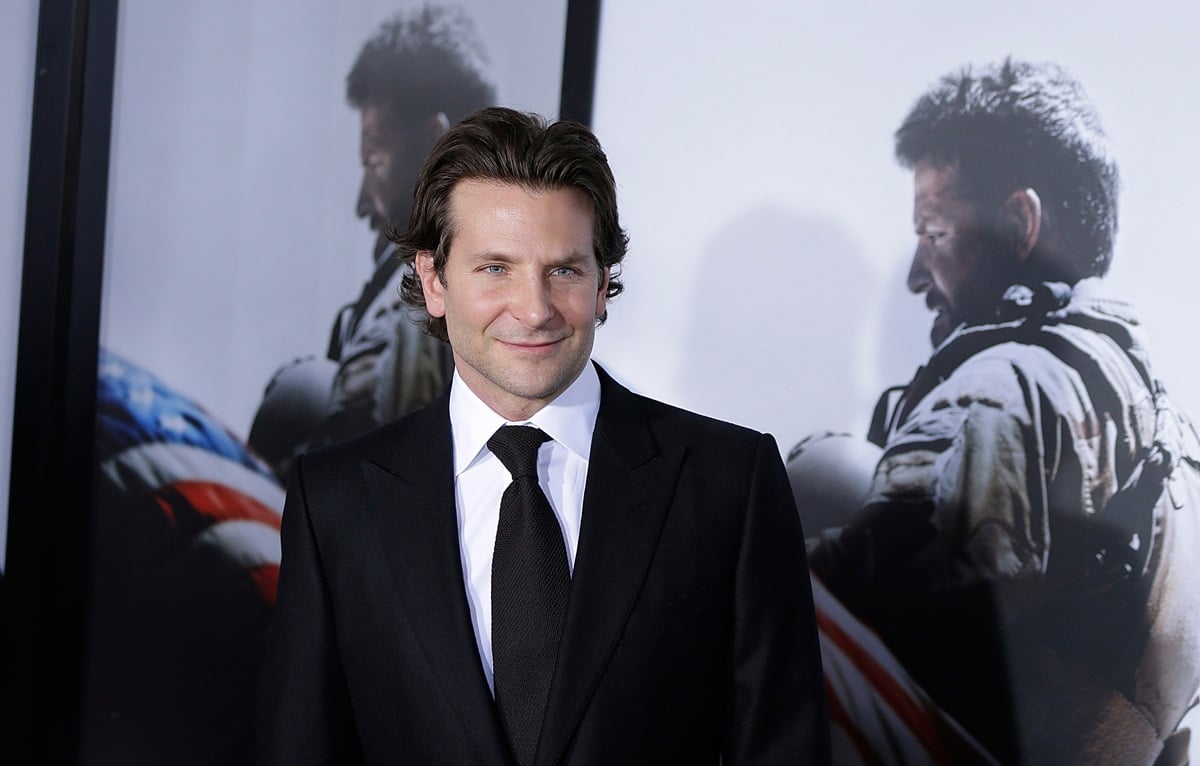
x=941, y=328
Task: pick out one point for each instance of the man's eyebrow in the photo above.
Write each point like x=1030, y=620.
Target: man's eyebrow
x=576, y=258
x=489, y=255
x=570, y=259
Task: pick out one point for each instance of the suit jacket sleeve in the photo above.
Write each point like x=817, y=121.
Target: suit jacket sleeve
x=776, y=694
x=304, y=714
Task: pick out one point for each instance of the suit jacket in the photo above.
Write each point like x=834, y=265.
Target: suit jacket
x=689, y=634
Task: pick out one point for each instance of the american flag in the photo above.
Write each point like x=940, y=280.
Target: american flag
x=185, y=559
x=222, y=501
x=878, y=715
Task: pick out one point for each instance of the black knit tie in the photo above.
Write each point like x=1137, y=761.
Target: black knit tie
x=530, y=586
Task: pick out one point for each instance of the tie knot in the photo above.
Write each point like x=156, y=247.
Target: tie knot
x=517, y=448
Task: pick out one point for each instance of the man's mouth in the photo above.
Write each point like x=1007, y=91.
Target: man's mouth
x=531, y=344
x=934, y=302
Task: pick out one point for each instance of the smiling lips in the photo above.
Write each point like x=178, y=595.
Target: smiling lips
x=532, y=344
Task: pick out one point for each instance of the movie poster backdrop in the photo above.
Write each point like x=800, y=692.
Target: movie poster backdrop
x=259, y=152
x=772, y=240
x=987, y=615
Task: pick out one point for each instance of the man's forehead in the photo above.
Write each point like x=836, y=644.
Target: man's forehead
x=471, y=185
x=469, y=197
x=383, y=118
x=930, y=178
x=938, y=184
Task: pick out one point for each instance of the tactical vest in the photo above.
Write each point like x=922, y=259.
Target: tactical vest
x=1125, y=637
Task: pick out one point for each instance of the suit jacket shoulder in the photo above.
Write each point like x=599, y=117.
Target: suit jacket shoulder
x=667, y=423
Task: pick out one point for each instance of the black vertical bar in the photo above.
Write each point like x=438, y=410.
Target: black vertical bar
x=50, y=490
x=580, y=47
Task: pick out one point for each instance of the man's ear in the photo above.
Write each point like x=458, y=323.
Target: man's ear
x=431, y=283
x=602, y=294
x=1022, y=220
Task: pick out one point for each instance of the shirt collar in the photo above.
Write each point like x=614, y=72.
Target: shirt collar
x=569, y=419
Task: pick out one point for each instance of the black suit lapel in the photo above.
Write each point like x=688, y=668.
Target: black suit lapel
x=629, y=489
x=412, y=495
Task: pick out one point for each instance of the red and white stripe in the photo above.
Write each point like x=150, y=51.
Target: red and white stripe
x=237, y=509
x=880, y=717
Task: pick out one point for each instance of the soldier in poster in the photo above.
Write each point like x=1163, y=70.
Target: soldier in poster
x=1029, y=546
x=421, y=73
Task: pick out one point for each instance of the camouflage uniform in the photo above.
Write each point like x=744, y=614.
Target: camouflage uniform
x=387, y=365
x=1030, y=543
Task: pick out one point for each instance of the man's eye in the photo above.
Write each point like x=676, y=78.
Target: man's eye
x=564, y=271
x=493, y=268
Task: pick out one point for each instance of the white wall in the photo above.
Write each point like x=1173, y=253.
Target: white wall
x=18, y=47
x=770, y=226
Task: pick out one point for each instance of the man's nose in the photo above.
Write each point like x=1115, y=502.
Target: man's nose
x=919, y=278
x=532, y=301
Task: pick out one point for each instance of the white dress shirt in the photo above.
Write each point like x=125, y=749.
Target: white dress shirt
x=480, y=479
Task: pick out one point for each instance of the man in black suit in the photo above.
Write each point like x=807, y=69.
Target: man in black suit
x=636, y=593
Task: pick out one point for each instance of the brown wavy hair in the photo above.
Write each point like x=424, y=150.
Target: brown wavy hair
x=500, y=144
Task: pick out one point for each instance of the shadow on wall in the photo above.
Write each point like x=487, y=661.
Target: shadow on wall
x=776, y=326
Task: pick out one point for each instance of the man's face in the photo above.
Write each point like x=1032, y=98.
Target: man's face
x=522, y=292
x=959, y=262
x=392, y=151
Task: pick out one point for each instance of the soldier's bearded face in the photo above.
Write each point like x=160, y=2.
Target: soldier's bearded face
x=960, y=263
x=391, y=156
